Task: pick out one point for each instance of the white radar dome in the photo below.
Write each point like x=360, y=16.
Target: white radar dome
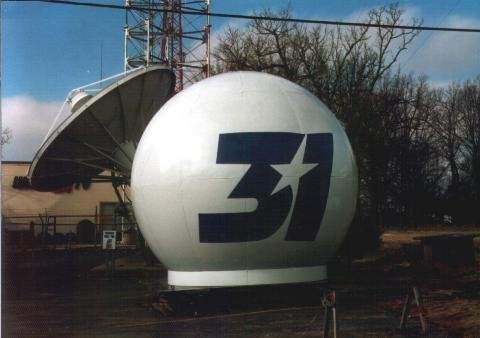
x=244, y=178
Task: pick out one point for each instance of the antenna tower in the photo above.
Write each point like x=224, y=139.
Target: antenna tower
x=157, y=32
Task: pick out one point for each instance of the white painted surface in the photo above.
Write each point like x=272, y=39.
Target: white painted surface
x=247, y=277
x=175, y=177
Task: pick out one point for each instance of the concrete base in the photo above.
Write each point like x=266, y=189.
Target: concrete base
x=247, y=277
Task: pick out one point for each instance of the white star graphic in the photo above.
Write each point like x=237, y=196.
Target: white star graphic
x=292, y=172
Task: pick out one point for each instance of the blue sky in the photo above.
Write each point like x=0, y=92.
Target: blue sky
x=49, y=49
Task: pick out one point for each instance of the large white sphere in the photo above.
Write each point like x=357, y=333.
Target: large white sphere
x=244, y=178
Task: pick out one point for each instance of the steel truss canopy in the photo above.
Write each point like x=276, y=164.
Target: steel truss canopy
x=102, y=131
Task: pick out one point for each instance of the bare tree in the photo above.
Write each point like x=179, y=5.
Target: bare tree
x=469, y=106
x=6, y=136
x=328, y=61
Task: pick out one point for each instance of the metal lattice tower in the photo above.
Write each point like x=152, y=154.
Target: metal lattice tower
x=156, y=32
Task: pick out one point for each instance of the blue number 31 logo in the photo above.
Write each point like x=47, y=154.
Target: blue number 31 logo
x=282, y=166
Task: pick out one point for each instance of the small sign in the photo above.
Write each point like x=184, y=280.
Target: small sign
x=109, y=240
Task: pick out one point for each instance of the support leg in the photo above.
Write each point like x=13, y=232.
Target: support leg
x=405, y=311
x=329, y=303
x=421, y=314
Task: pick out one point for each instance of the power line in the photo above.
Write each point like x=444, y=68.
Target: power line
x=257, y=17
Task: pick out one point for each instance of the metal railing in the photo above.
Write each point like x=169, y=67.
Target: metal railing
x=52, y=230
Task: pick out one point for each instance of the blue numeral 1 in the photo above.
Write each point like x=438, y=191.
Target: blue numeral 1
x=313, y=189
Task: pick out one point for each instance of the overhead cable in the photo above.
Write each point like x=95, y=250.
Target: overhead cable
x=258, y=17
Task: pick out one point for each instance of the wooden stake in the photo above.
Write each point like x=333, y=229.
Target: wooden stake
x=420, y=309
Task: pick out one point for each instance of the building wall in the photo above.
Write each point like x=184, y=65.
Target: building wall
x=19, y=203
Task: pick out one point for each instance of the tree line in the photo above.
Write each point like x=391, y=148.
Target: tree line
x=417, y=147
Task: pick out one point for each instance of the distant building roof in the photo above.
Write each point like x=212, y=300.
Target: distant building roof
x=16, y=162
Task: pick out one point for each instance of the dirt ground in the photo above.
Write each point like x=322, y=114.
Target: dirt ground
x=451, y=297
x=395, y=239
x=370, y=295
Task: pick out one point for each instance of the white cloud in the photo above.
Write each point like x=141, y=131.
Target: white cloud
x=216, y=33
x=29, y=120
x=442, y=56
x=409, y=14
x=446, y=56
